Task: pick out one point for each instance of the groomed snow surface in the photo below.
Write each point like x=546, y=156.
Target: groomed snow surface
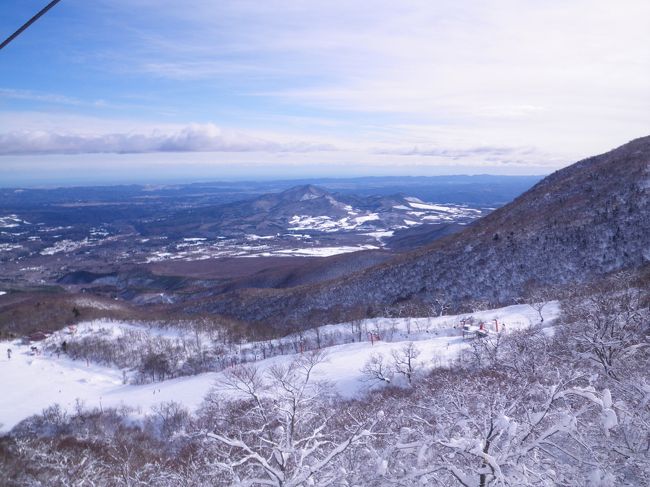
x=30, y=383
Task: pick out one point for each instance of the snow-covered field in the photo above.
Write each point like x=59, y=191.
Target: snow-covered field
x=97, y=304
x=218, y=250
x=12, y=221
x=5, y=247
x=66, y=246
x=30, y=383
x=327, y=224
x=321, y=251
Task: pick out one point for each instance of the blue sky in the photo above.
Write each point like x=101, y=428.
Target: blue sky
x=139, y=90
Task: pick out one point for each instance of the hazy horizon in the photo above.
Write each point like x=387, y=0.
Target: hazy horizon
x=316, y=179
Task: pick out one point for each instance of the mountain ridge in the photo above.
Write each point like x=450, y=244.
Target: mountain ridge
x=581, y=222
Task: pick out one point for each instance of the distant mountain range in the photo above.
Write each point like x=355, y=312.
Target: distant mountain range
x=578, y=224
x=476, y=190
x=308, y=210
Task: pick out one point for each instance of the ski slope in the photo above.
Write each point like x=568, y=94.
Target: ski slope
x=30, y=383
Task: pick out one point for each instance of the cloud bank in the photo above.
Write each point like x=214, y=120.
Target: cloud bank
x=193, y=138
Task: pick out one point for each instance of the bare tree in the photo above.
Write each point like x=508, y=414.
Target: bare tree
x=376, y=369
x=440, y=304
x=488, y=430
x=488, y=351
x=357, y=329
x=537, y=299
x=168, y=418
x=608, y=326
x=286, y=438
x=404, y=360
x=317, y=335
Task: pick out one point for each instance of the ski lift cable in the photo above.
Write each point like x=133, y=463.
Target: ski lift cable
x=29, y=22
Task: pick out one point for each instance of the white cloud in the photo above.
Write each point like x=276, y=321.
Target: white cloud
x=38, y=96
x=193, y=138
x=569, y=77
x=489, y=153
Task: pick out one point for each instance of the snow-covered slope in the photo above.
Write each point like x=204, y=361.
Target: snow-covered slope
x=30, y=383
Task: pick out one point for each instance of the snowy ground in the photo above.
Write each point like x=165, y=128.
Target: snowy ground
x=30, y=383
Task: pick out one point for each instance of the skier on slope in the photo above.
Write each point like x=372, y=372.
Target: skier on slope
x=9, y=354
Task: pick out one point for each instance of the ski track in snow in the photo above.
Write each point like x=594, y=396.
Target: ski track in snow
x=31, y=383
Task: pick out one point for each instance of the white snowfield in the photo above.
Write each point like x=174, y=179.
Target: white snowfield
x=5, y=247
x=327, y=224
x=323, y=251
x=30, y=383
x=12, y=221
x=200, y=250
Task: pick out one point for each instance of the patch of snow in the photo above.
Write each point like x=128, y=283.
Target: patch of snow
x=306, y=222
x=158, y=256
x=327, y=224
x=324, y=251
x=32, y=383
x=259, y=237
x=192, y=243
x=98, y=232
x=6, y=247
x=413, y=199
x=425, y=206
x=12, y=221
x=54, y=229
x=380, y=235
x=93, y=303
x=367, y=218
x=66, y=246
